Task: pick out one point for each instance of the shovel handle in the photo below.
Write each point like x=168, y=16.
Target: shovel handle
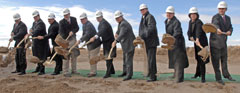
x=53, y=57
x=68, y=37
x=9, y=43
x=20, y=42
x=85, y=44
x=109, y=55
x=72, y=47
x=198, y=45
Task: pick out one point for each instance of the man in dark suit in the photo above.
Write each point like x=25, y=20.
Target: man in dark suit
x=94, y=47
x=148, y=32
x=52, y=33
x=68, y=26
x=105, y=33
x=218, y=42
x=177, y=56
x=18, y=33
x=125, y=36
x=40, y=48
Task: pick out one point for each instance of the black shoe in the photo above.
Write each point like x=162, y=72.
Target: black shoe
x=195, y=76
x=203, y=80
x=34, y=71
x=107, y=76
x=15, y=72
x=151, y=80
x=113, y=72
x=126, y=79
x=22, y=73
x=55, y=73
x=122, y=75
x=179, y=81
x=221, y=82
x=231, y=79
x=41, y=73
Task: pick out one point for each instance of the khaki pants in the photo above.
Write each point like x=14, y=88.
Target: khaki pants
x=91, y=54
x=72, y=58
x=73, y=65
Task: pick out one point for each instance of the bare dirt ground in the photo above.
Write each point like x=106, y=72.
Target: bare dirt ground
x=32, y=83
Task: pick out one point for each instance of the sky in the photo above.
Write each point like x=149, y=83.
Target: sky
x=130, y=9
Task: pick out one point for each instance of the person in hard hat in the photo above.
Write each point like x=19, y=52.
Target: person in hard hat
x=17, y=34
x=40, y=47
x=148, y=32
x=125, y=37
x=68, y=26
x=52, y=33
x=177, y=56
x=105, y=33
x=218, y=42
x=197, y=35
x=93, y=47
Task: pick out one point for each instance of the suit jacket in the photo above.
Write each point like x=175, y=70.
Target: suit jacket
x=52, y=32
x=19, y=32
x=105, y=32
x=88, y=32
x=148, y=31
x=220, y=41
x=195, y=30
x=40, y=48
x=125, y=36
x=65, y=27
x=178, y=53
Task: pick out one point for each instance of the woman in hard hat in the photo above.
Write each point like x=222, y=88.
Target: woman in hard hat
x=197, y=35
x=177, y=56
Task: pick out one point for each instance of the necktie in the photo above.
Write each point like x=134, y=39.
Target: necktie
x=224, y=19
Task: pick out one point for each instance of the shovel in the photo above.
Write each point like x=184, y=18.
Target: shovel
x=141, y=42
x=51, y=60
x=204, y=52
x=109, y=55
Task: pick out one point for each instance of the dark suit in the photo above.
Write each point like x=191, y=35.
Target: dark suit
x=64, y=28
x=195, y=30
x=88, y=32
x=105, y=32
x=20, y=31
x=218, y=45
x=40, y=48
x=126, y=37
x=177, y=56
x=148, y=32
x=52, y=33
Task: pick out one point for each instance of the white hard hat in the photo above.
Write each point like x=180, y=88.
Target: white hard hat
x=222, y=4
x=35, y=13
x=16, y=16
x=99, y=14
x=170, y=9
x=51, y=16
x=142, y=6
x=118, y=14
x=193, y=10
x=66, y=11
x=83, y=15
